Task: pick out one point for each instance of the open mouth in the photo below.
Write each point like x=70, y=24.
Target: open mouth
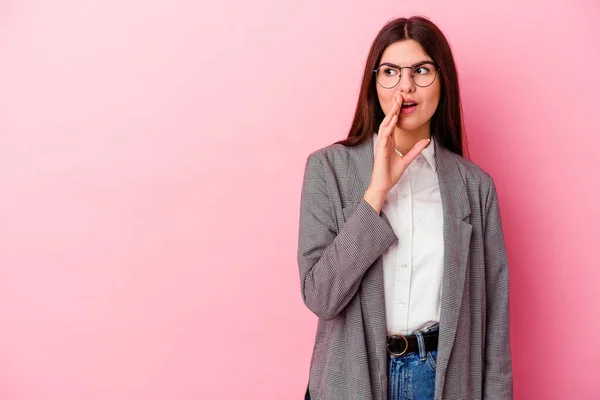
x=407, y=108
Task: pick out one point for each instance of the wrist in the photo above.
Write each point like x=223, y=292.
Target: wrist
x=375, y=198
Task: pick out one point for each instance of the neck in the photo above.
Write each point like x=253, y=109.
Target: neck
x=405, y=140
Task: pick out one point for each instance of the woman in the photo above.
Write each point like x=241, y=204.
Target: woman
x=401, y=250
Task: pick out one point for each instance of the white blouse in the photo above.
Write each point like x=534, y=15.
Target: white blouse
x=413, y=266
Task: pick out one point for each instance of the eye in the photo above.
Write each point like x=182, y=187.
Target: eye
x=422, y=70
x=388, y=71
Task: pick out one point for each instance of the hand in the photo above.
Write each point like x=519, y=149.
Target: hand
x=388, y=165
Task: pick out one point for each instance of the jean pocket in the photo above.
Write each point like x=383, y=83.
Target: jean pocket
x=432, y=359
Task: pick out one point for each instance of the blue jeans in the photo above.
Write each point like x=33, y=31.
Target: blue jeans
x=410, y=376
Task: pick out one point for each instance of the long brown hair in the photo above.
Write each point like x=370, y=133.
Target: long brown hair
x=446, y=123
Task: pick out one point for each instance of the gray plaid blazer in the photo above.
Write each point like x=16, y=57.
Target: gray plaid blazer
x=341, y=241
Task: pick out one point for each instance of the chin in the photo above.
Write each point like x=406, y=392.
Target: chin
x=410, y=126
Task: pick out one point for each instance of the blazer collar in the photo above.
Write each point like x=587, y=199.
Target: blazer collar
x=452, y=188
x=428, y=152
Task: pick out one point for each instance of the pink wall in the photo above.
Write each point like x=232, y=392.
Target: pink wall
x=151, y=158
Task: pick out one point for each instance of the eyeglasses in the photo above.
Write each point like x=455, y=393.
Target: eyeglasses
x=423, y=74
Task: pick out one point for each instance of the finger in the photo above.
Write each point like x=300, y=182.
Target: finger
x=399, y=100
x=385, y=121
x=392, y=125
x=388, y=118
x=396, y=111
x=396, y=105
x=385, y=134
x=393, y=115
x=416, y=150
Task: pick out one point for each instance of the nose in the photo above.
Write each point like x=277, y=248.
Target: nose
x=406, y=84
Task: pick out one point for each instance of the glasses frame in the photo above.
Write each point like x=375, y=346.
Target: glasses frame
x=412, y=76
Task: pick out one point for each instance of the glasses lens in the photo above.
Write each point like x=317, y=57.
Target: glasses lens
x=387, y=76
x=424, y=74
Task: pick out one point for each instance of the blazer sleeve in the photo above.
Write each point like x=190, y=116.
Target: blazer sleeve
x=498, y=381
x=333, y=263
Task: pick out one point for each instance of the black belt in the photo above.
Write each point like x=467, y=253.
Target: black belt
x=398, y=345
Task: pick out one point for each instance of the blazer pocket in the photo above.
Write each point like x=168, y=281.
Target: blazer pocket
x=346, y=213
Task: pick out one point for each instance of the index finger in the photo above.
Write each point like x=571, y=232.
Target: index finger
x=395, y=110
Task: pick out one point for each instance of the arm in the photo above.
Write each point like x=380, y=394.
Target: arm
x=498, y=383
x=333, y=263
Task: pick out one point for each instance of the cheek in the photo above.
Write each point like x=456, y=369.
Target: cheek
x=433, y=105
x=433, y=100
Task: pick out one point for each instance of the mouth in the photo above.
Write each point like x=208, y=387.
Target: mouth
x=407, y=108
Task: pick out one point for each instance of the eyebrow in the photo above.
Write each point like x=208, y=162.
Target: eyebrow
x=414, y=65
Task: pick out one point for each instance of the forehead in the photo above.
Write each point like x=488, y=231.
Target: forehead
x=405, y=52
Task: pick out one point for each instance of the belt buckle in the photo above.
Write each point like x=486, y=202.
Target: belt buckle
x=396, y=336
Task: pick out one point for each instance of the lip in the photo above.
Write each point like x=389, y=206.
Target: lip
x=409, y=100
x=408, y=110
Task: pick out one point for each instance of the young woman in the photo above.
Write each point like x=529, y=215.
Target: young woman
x=401, y=250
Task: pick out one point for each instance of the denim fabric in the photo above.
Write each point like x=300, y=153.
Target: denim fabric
x=412, y=377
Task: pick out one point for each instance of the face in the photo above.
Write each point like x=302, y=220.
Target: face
x=402, y=54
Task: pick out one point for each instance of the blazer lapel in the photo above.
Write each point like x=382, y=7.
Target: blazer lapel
x=372, y=289
x=457, y=237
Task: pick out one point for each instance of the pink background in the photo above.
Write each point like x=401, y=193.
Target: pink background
x=151, y=160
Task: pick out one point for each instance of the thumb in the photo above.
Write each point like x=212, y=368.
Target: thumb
x=416, y=150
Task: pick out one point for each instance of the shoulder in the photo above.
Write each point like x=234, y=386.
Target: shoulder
x=331, y=157
x=478, y=183
x=471, y=173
